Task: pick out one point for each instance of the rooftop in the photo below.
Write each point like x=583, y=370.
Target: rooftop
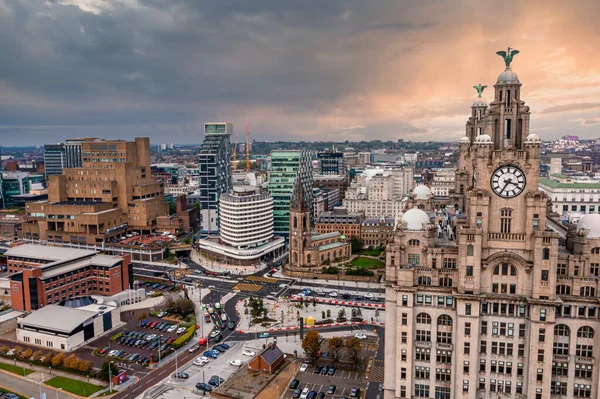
x=48, y=252
x=332, y=245
x=271, y=354
x=325, y=236
x=57, y=318
x=556, y=184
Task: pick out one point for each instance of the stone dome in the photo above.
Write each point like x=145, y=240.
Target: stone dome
x=590, y=222
x=479, y=102
x=421, y=192
x=483, y=139
x=415, y=219
x=533, y=138
x=464, y=139
x=508, y=77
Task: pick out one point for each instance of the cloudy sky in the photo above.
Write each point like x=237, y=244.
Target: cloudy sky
x=301, y=69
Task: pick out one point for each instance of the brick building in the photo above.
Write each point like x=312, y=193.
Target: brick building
x=377, y=231
x=339, y=219
x=43, y=275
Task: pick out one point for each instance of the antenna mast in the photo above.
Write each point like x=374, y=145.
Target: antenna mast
x=247, y=146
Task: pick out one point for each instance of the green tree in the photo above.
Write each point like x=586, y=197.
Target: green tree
x=187, y=241
x=311, y=344
x=334, y=346
x=357, y=244
x=329, y=313
x=323, y=314
x=341, y=315
x=353, y=350
x=104, y=374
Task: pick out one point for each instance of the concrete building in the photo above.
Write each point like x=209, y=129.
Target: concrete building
x=246, y=231
x=15, y=184
x=442, y=181
x=331, y=163
x=63, y=155
x=373, y=209
x=341, y=220
x=489, y=303
x=215, y=173
x=286, y=168
x=309, y=249
x=64, y=329
x=112, y=193
x=41, y=275
x=380, y=187
x=572, y=194
x=376, y=232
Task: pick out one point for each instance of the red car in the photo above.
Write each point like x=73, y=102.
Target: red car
x=202, y=341
x=153, y=324
x=170, y=340
x=104, y=350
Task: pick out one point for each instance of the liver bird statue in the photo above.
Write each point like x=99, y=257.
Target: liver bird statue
x=508, y=55
x=479, y=89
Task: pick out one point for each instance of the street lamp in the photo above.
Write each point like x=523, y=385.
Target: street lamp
x=59, y=389
x=109, y=375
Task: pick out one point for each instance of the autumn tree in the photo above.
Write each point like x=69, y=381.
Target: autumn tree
x=48, y=357
x=142, y=316
x=353, y=349
x=58, y=359
x=85, y=365
x=27, y=353
x=335, y=346
x=72, y=362
x=311, y=345
x=37, y=355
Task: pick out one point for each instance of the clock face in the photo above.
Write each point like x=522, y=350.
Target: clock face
x=508, y=181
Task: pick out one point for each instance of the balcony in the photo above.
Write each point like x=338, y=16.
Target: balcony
x=588, y=360
x=560, y=358
x=423, y=344
x=506, y=236
x=444, y=346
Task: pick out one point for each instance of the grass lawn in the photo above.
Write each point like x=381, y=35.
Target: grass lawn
x=367, y=262
x=5, y=391
x=74, y=386
x=371, y=252
x=15, y=369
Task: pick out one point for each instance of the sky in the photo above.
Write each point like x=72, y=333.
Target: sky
x=309, y=70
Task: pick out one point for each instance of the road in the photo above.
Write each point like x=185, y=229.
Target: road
x=31, y=389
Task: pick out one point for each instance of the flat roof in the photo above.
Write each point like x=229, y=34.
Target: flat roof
x=57, y=318
x=575, y=184
x=48, y=252
x=56, y=269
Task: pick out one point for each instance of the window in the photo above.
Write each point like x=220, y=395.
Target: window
x=561, y=269
x=423, y=318
x=404, y=319
x=505, y=220
x=504, y=270
x=413, y=259
x=445, y=282
x=403, y=391
x=449, y=263
x=587, y=291
x=422, y=372
x=443, y=356
x=470, y=249
x=583, y=371
x=483, y=347
x=596, y=251
x=545, y=253
x=561, y=348
x=481, y=383
x=443, y=375
x=544, y=275
x=560, y=368
x=468, y=311
x=595, y=269
x=467, y=348
x=404, y=337
x=467, y=329
x=563, y=290
x=540, y=356
x=562, y=330
x=422, y=354
x=585, y=332
x=421, y=391
x=444, y=320
x=540, y=375
x=423, y=335
x=413, y=243
x=465, y=385
x=542, y=314
x=444, y=337
x=542, y=335
x=483, y=328
x=584, y=350
x=558, y=388
x=469, y=271
x=582, y=390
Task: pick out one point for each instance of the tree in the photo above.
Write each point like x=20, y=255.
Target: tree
x=341, y=315
x=72, y=362
x=334, y=346
x=48, y=357
x=104, y=370
x=329, y=313
x=357, y=244
x=27, y=354
x=311, y=345
x=85, y=366
x=58, y=359
x=187, y=240
x=37, y=355
x=353, y=349
x=323, y=314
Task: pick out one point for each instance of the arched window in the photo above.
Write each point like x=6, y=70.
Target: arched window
x=334, y=254
x=504, y=269
x=444, y=320
x=424, y=280
x=596, y=251
x=585, y=332
x=423, y=318
x=470, y=250
x=445, y=282
x=562, y=329
x=296, y=257
x=587, y=291
x=545, y=253
x=308, y=258
x=563, y=290
x=413, y=243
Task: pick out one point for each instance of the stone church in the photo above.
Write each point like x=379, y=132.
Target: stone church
x=494, y=300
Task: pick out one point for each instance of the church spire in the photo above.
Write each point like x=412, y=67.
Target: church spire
x=299, y=202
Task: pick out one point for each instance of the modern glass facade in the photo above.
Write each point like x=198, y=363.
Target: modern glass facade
x=54, y=159
x=286, y=167
x=331, y=163
x=215, y=173
x=17, y=183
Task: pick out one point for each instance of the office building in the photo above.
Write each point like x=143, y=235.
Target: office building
x=246, y=228
x=41, y=275
x=63, y=155
x=331, y=163
x=286, y=168
x=112, y=193
x=339, y=219
x=215, y=173
x=376, y=232
x=442, y=181
x=572, y=194
x=497, y=301
x=15, y=184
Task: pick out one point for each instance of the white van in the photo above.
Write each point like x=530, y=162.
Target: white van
x=223, y=317
x=304, y=394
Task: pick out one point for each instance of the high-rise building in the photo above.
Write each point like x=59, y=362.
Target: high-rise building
x=286, y=168
x=74, y=156
x=215, y=173
x=111, y=193
x=490, y=302
x=331, y=163
x=63, y=155
x=16, y=184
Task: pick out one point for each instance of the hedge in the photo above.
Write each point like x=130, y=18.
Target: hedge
x=116, y=336
x=156, y=294
x=185, y=338
x=188, y=324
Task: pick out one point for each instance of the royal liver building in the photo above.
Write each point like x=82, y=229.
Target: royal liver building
x=488, y=301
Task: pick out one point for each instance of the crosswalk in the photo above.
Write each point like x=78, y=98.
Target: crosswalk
x=377, y=372
x=247, y=287
x=262, y=279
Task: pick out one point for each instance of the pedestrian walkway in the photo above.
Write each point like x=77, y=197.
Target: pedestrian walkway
x=262, y=279
x=247, y=287
x=41, y=374
x=218, y=267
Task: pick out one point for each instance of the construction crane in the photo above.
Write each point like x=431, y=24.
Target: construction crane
x=247, y=146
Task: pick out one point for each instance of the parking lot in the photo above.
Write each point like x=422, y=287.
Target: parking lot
x=343, y=380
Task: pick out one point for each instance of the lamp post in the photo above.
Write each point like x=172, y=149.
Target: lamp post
x=59, y=389
x=109, y=376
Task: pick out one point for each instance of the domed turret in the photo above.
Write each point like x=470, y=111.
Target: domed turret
x=483, y=139
x=422, y=192
x=590, y=222
x=533, y=138
x=415, y=219
x=508, y=77
x=464, y=140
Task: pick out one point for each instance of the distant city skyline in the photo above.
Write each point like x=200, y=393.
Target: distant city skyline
x=333, y=71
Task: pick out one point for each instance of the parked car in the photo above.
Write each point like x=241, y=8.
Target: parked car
x=248, y=353
x=203, y=386
x=218, y=338
x=312, y=395
x=231, y=325
x=236, y=362
x=297, y=393
x=294, y=384
x=194, y=348
x=172, y=328
x=331, y=371
x=224, y=345
x=355, y=392
x=181, y=375
x=264, y=335
x=331, y=390
x=303, y=368
x=360, y=336
x=211, y=354
x=181, y=330
x=324, y=370
x=304, y=393
x=104, y=350
x=318, y=370
x=321, y=395
x=218, y=349
x=215, y=333
x=202, y=341
x=201, y=361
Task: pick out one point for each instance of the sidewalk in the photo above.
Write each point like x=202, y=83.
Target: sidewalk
x=224, y=267
x=45, y=374
x=332, y=282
